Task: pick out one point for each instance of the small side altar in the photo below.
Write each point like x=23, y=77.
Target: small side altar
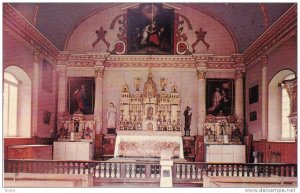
x=148, y=144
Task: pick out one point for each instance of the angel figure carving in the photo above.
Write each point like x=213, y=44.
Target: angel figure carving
x=163, y=83
x=137, y=83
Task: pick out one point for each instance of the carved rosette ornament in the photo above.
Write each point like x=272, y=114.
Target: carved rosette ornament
x=201, y=74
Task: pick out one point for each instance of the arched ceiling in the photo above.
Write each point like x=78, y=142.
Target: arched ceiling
x=247, y=21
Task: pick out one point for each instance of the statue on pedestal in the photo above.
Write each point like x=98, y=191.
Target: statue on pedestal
x=188, y=118
x=111, y=116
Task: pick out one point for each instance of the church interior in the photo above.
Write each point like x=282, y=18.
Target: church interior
x=150, y=95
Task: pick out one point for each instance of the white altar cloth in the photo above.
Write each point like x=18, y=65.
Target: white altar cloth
x=148, y=143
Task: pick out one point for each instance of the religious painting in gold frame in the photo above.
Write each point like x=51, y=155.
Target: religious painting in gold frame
x=81, y=95
x=220, y=97
x=150, y=29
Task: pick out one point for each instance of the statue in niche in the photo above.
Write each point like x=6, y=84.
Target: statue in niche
x=188, y=119
x=76, y=126
x=149, y=126
x=150, y=113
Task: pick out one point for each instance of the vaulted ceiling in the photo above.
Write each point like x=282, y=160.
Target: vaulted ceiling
x=247, y=21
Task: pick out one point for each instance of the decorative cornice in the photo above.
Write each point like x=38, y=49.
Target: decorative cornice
x=164, y=58
x=15, y=24
x=161, y=61
x=279, y=33
x=150, y=64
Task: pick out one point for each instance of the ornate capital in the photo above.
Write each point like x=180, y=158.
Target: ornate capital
x=99, y=72
x=264, y=61
x=37, y=57
x=291, y=88
x=239, y=75
x=61, y=71
x=201, y=74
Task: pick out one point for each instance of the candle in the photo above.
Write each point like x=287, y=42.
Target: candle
x=72, y=136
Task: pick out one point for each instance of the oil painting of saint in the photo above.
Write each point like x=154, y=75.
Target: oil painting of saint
x=150, y=29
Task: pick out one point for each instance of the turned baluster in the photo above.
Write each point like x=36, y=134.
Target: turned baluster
x=196, y=172
x=144, y=171
x=114, y=170
x=109, y=170
x=290, y=171
x=180, y=171
x=227, y=170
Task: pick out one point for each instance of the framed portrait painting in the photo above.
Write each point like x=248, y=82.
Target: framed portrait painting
x=150, y=29
x=220, y=97
x=81, y=95
x=253, y=94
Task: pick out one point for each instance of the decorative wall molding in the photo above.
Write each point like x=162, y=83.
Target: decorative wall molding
x=280, y=32
x=154, y=61
x=16, y=25
x=150, y=64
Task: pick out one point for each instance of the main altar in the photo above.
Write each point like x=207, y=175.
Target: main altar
x=149, y=121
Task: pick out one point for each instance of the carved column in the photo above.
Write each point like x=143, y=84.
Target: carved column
x=239, y=98
x=35, y=92
x=99, y=72
x=201, y=73
x=264, y=98
x=62, y=91
x=291, y=87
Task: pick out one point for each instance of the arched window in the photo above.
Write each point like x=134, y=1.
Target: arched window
x=16, y=103
x=10, y=105
x=279, y=108
x=287, y=132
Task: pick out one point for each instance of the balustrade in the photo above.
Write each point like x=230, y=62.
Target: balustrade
x=195, y=171
x=149, y=171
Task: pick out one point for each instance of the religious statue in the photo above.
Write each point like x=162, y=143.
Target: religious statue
x=174, y=88
x=111, y=116
x=163, y=83
x=149, y=113
x=188, y=118
x=125, y=87
x=137, y=83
